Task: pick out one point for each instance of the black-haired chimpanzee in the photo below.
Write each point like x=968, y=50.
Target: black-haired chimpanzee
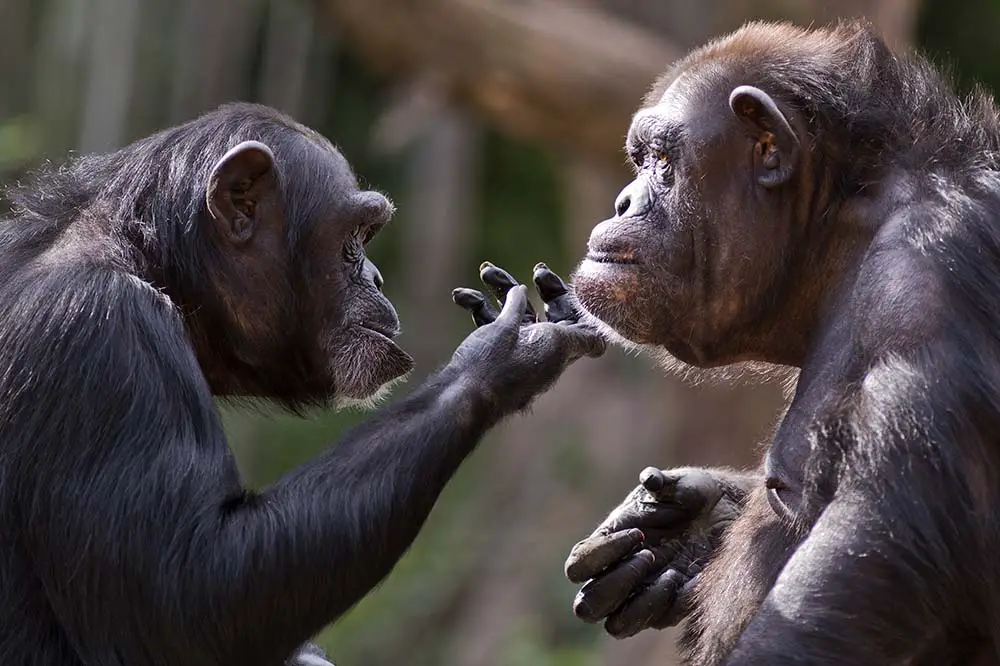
x=809, y=198
x=225, y=257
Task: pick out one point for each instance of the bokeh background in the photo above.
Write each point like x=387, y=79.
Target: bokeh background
x=496, y=126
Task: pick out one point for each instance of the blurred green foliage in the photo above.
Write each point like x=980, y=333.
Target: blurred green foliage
x=963, y=36
x=20, y=142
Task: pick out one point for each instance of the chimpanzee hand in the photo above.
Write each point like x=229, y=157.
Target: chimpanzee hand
x=642, y=562
x=309, y=654
x=512, y=355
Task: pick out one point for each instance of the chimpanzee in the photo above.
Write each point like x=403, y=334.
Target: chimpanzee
x=223, y=257
x=809, y=198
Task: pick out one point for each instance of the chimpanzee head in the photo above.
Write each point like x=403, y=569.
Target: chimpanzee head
x=707, y=256
x=270, y=270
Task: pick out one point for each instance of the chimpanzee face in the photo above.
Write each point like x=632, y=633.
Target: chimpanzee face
x=303, y=301
x=698, y=237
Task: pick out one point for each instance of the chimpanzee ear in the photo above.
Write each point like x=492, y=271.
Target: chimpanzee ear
x=237, y=185
x=777, y=143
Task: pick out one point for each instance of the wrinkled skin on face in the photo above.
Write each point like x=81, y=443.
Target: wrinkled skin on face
x=696, y=264
x=692, y=253
x=363, y=358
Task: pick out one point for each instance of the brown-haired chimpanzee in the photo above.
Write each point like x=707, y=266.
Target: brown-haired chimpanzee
x=809, y=198
x=225, y=256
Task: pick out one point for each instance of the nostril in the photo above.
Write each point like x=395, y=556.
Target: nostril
x=635, y=200
x=622, y=204
x=377, y=280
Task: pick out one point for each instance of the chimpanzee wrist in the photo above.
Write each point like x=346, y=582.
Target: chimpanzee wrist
x=471, y=390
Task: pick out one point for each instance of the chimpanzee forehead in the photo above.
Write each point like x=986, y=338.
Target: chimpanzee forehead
x=317, y=160
x=655, y=126
x=328, y=152
x=694, y=104
x=318, y=182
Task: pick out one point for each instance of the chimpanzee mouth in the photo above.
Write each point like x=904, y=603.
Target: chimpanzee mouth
x=618, y=258
x=381, y=331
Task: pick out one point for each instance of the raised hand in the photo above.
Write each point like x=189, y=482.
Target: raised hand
x=512, y=355
x=641, y=564
x=556, y=296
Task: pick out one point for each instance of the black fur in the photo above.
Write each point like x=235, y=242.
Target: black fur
x=127, y=536
x=878, y=543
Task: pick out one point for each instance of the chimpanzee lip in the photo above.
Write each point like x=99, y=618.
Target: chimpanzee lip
x=381, y=330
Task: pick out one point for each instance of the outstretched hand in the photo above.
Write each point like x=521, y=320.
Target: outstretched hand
x=513, y=354
x=556, y=297
x=641, y=564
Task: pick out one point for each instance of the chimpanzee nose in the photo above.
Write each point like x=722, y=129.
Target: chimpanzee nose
x=634, y=200
x=371, y=272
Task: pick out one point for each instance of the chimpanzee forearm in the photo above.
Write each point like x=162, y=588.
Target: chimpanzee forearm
x=326, y=534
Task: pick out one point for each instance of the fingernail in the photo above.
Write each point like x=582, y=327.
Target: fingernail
x=636, y=535
x=651, y=479
x=540, y=266
x=483, y=266
x=582, y=609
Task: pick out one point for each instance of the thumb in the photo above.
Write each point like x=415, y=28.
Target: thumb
x=514, y=306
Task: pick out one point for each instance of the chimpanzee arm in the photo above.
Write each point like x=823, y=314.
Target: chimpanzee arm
x=146, y=544
x=889, y=561
x=851, y=595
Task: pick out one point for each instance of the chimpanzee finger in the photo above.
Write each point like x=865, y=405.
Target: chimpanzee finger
x=689, y=488
x=652, y=479
x=585, y=340
x=595, y=554
x=680, y=608
x=549, y=284
x=555, y=295
x=514, y=307
x=500, y=282
x=601, y=596
x=476, y=303
x=641, y=611
x=640, y=511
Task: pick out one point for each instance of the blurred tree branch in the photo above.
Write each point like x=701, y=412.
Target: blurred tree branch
x=533, y=67
x=567, y=73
